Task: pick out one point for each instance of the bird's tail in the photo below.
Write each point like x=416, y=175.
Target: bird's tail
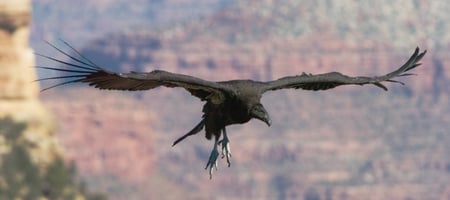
x=194, y=131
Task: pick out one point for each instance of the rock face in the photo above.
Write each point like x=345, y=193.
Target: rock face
x=31, y=166
x=16, y=56
x=18, y=93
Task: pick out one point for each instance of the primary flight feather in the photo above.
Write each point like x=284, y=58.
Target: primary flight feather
x=227, y=102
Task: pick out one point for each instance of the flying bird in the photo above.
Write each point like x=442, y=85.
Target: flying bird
x=226, y=102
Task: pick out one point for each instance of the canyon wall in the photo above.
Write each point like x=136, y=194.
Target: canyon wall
x=31, y=164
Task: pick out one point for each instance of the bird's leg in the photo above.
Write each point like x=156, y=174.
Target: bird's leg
x=212, y=161
x=225, y=142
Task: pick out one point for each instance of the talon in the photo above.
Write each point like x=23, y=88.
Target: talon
x=226, y=151
x=225, y=145
x=212, y=161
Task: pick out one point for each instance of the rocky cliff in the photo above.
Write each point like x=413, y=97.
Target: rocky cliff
x=31, y=164
x=18, y=92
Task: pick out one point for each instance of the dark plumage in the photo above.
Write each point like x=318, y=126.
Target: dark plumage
x=227, y=102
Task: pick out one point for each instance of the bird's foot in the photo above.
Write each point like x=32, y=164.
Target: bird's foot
x=212, y=162
x=226, y=151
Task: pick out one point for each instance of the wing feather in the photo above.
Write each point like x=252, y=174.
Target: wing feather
x=333, y=79
x=85, y=71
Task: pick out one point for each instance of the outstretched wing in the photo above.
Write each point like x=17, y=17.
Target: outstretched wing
x=85, y=71
x=334, y=79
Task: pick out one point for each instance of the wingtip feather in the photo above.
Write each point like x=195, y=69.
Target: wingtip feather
x=378, y=84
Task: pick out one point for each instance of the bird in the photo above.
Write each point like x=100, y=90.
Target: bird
x=226, y=102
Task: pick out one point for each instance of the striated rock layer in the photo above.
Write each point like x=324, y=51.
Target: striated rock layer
x=18, y=92
x=31, y=165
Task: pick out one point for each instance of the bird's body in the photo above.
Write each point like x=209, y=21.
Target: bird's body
x=235, y=109
x=227, y=102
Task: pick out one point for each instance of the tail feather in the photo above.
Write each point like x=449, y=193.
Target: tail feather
x=194, y=131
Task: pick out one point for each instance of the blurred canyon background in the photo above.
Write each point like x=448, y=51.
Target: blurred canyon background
x=352, y=142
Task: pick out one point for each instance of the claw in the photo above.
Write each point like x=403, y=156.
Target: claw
x=212, y=161
x=225, y=143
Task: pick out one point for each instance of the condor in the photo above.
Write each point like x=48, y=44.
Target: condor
x=227, y=102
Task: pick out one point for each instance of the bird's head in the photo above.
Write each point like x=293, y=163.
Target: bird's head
x=259, y=112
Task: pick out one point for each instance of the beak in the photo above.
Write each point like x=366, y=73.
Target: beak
x=266, y=119
x=259, y=112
